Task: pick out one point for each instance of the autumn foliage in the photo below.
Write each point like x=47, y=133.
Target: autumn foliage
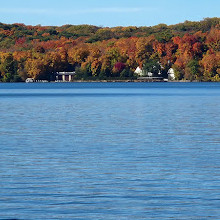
x=191, y=48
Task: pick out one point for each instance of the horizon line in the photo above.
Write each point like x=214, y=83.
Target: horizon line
x=103, y=26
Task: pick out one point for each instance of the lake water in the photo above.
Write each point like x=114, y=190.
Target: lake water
x=110, y=151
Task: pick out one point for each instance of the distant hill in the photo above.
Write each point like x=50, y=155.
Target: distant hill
x=191, y=48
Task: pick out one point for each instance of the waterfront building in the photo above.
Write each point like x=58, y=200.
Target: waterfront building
x=142, y=73
x=65, y=76
x=139, y=71
x=29, y=80
x=171, y=74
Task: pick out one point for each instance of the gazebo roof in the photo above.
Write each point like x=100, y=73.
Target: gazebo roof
x=66, y=73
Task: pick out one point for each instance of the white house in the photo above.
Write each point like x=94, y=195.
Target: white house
x=171, y=74
x=139, y=71
x=142, y=73
x=149, y=74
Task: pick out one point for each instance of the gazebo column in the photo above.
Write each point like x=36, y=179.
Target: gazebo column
x=63, y=77
x=70, y=78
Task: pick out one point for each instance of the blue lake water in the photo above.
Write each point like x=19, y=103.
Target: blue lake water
x=110, y=151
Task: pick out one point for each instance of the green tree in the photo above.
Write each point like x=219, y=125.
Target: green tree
x=9, y=69
x=192, y=70
x=152, y=66
x=178, y=72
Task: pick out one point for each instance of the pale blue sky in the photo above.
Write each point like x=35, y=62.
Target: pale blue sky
x=106, y=12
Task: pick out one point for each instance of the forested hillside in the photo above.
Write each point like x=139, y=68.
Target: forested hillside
x=191, y=48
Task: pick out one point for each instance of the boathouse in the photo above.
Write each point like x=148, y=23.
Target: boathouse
x=29, y=80
x=65, y=76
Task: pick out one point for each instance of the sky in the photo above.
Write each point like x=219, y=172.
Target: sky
x=109, y=13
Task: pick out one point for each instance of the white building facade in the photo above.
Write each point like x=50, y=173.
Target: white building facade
x=171, y=74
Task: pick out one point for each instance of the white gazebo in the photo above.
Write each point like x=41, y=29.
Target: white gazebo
x=65, y=76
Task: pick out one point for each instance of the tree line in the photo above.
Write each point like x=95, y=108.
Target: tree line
x=192, y=49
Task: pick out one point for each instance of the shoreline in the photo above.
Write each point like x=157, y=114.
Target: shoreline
x=113, y=81
x=117, y=81
x=125, y=81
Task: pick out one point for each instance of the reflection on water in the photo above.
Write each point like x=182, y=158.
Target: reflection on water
x=110, y=151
